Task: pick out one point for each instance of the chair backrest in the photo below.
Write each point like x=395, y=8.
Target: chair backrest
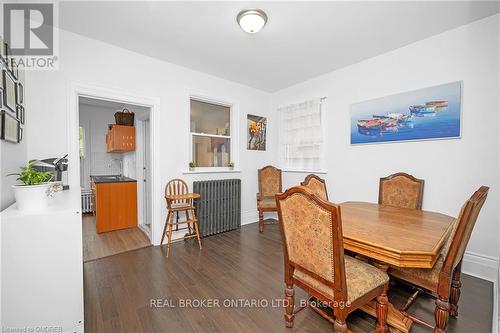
x=311, y=231
x=316, y=185
x=269, y=181
x=176, y=187
x=401, y=190
x=460, y=235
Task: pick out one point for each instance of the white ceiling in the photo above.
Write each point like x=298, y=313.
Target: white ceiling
x=300, y=41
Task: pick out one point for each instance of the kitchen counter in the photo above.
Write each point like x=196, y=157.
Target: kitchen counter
x=112, y=179
x=115, y=202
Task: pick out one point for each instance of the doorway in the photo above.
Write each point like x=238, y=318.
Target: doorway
x=98, y=164
x=78, y=90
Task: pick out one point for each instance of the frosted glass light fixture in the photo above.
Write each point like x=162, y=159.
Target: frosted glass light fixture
x=251, y=20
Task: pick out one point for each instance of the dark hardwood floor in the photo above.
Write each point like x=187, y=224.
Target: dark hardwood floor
x=236, y=266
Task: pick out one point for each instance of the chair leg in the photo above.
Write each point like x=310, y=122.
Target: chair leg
x=190, y=228
x=196, y=226
x=165, y=228
x=340, y=326
x=381, y=310
x=169, y=236
x=261, y=221
x=456, y=284
x=290, y=303
x=441, y=314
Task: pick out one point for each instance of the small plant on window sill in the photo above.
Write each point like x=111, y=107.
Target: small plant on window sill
x=230, y=165
x=192, y=166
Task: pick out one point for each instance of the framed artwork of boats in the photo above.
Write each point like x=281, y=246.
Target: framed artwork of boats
x=425, y=114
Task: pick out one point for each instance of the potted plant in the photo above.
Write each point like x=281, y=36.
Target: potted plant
x=192, y=165
x=231, y=165
x=36, y=188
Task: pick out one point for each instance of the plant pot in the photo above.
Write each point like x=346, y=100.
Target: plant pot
x=32, y=197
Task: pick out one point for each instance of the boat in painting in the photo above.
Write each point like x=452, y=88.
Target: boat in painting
x=422, y=109
x=393, y=121
x=393, y=116
x=438, y=104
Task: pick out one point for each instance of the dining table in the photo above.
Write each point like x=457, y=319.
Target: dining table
x=390, y=236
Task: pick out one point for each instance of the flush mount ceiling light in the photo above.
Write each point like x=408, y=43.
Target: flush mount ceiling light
x=252, y=20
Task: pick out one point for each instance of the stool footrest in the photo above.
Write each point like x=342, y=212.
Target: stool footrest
x=183, y=238
x=183, y=222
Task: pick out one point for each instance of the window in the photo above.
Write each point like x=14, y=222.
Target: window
x=301, y=136
x=81, y=142
x=210, y=134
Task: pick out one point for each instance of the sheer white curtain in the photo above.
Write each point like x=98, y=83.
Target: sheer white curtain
x=301, y=136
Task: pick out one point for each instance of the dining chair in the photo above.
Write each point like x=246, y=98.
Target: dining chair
x=174, y=207
x=401, y=190
x=313, y=249
x=316, y=185
x=269, y=185
x=443, y=280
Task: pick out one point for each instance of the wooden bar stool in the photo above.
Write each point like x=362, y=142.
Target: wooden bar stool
x=179, y=200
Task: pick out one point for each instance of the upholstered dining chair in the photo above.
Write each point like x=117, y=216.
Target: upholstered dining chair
x=269, y=185
x=313, y=249
x=401, y=190
x=316, y=185
x=443, y=280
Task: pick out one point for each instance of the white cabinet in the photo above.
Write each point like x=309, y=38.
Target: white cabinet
x=42, y=267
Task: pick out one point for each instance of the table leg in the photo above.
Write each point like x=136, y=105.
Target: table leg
x=395, y=318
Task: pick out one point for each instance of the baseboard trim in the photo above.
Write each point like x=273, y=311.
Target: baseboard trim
x=252, y=216
x=481, y=266
x=496, y=317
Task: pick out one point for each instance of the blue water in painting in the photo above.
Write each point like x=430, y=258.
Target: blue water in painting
x=444, y=123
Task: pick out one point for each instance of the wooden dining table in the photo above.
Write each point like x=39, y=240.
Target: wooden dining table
x=392, y=236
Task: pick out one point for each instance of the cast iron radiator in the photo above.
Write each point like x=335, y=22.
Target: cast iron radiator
x=219, y=206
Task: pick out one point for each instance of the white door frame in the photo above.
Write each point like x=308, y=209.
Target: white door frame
x=140, y=162
x=77, y=90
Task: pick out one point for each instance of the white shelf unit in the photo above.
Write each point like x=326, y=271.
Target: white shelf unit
x=42, y=266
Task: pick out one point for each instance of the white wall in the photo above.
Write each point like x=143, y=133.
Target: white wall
x=97, y=160
x=452, y=169
x=91, y=62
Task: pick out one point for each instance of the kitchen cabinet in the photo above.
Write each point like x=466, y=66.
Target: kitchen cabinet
x=120, y=139
x=115, y=199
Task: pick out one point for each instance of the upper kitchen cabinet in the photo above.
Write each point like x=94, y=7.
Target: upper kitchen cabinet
x=120, y=139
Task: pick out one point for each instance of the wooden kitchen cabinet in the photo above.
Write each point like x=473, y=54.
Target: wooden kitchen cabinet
x=120, y=139
x=116, y=205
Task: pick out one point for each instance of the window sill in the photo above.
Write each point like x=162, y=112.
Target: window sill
x=187, y=172
x=305, y=171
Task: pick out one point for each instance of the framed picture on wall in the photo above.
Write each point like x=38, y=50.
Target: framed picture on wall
x=6, y=53
x=9, y=129
x=3, y=55
x=9, y=96
x=256, y=132
x=20, y=113
x=13, y=68
x=425, y=114
x=20, y=93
